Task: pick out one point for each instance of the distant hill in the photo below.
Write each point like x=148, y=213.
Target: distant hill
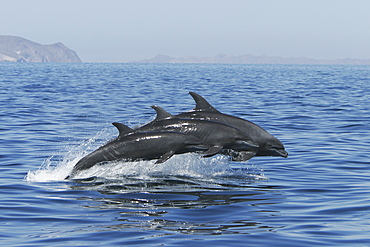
x=17, y=49
x=251, y=59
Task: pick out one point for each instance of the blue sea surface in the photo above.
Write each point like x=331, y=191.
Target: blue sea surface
x=51, y=115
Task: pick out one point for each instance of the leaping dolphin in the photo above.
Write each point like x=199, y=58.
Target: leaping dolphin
x=268, y=145
x=217, y=135
x=132, y=146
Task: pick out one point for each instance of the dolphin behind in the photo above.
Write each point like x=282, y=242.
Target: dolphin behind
x=268, y=145
x=217, y=135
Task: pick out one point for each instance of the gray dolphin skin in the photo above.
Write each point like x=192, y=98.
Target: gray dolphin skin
x=203, y=129
x=132, y=146
x=217, y=135
x=268, y=145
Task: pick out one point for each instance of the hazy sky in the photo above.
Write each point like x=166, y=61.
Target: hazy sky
x=122, y=31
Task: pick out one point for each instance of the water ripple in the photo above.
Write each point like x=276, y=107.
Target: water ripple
x=54, y=114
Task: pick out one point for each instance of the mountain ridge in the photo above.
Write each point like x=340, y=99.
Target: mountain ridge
x=18, y=49
x=252, y=59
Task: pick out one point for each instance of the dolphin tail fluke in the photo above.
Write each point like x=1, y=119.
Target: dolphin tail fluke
x=202, y=104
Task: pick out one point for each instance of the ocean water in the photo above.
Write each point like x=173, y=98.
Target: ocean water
x=51, y=115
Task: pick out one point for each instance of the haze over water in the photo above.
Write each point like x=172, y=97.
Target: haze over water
x=54, y=114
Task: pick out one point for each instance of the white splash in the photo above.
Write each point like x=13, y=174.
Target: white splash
x=189, y=165
x=57, y=170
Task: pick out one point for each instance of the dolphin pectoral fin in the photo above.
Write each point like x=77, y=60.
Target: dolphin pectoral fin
x=212, y=151
x=123, y=129
x=165, y=157
x=243, y=155
x=161, y=113
x=202, y=104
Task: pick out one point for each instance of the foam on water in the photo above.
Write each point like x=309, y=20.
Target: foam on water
x=53, y=169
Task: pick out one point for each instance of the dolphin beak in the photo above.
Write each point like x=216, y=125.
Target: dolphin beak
x=282, y=153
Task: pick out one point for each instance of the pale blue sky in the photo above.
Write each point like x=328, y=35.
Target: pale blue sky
x=122, y=31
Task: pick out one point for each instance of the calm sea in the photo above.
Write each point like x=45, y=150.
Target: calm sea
x=51, y=115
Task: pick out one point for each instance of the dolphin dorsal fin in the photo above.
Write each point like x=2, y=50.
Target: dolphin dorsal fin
x=123, y=129
x=202, y=104
x=161, y=113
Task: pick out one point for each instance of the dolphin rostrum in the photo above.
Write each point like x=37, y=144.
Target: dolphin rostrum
x=132, y=146
x=268, y=145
